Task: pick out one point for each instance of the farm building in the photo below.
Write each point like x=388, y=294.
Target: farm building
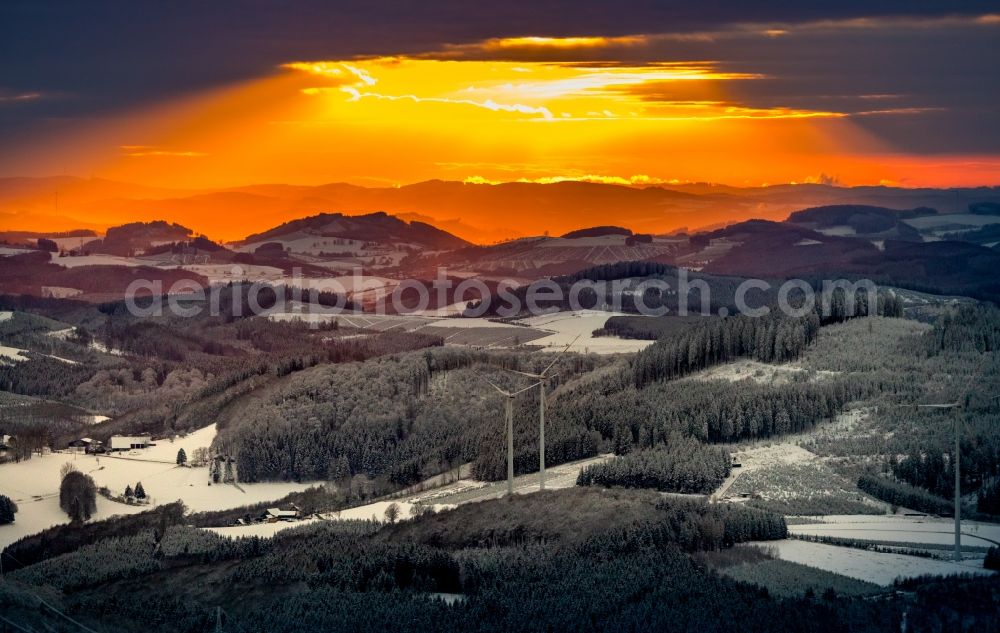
x=285, y=513
x=129, y=442
x=84, y=445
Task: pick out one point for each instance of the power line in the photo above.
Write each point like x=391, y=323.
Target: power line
x=39, y=598
x=16, y=625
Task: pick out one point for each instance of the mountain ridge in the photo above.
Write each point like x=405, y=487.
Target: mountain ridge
x=475, y=212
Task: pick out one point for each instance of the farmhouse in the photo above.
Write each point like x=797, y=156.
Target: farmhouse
x=128, y=442
x=85, y=445
x=286, y=513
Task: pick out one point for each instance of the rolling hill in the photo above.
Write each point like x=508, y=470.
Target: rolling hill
x=481, y=213
x=307, y=234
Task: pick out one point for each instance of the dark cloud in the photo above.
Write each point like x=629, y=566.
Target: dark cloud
x=85, y=59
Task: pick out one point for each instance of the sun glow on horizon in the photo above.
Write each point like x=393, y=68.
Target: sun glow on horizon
x=403, y=119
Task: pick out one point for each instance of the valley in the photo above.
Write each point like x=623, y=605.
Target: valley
x=344, y=438
x=548, y=317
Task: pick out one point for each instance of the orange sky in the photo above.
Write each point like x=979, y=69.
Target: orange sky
x=398, y=120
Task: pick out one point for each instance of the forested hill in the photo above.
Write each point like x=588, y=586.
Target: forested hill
x=558, y=561
x=157, y=375
x=400, y=419
x=377, y=227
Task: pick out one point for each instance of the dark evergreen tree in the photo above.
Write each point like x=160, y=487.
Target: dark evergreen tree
x=7, y=510
x=989, y=498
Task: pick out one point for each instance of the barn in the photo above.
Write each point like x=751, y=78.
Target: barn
x=129, y=442
x=84, y=445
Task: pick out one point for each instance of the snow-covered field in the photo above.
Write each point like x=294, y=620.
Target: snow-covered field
x=12, y=353
x=779, y=454
x=372, y=511
x=968, y=219
x=567, y=326
x=98, y=260
x=224, y=273
x=464, y=323
x=897, y=528
x=841, y=230
x=563, y=327
x=34, y=484
x=17, y=355
x=876, y=567
x=60, y=292
x=263, y=530
x=454, y=309
x=350, y=284
x=377, y=510
x=469, y=490
x=70, y=243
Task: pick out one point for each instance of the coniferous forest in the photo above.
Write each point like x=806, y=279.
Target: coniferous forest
x=365, y=420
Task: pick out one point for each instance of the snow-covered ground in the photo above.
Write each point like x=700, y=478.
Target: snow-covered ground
x=6, y=315
x=34, y=484
x=763, y=373
x=62, y=334
x=563, y=327
x=783, y=455
x=264, y=530
x=468, y=323
x=224, y=273
x=454, y=309
x=838, y=231
x=349, y=284
x=98, y=260
x=18, y=355
x=876, y=567
x=12, y=353
x=468, y=490
x=377, y=510
x=464, y=490
x=300, y=242
x=580, y=325
x=898, y=528
x=70, y=243
x=104, y=349
x=788, y=473
x=778, y=454
x=60, y=292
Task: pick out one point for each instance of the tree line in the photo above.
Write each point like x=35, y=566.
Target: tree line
x=903, y=495
x=682, y=465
